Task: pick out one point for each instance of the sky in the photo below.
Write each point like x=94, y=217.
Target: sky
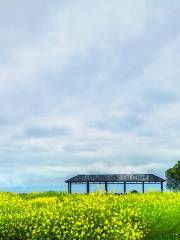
x=88, y=87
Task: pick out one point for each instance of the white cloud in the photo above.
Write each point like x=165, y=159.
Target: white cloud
x=101, y=70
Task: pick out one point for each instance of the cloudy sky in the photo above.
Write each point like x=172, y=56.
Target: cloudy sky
x=88, y=86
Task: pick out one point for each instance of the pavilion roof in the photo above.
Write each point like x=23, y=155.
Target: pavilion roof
x=116, y=178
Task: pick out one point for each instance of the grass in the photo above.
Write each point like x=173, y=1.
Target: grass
x=56, y=215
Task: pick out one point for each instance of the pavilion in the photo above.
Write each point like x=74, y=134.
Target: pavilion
x=115, y=179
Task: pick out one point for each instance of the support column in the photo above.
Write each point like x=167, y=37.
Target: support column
x=124, y=187
x=87, y=187
x=142, y=187
x=106, y=186
x=69, y=187
x=161, y=186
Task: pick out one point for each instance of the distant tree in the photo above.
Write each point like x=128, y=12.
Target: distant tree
x=173, y=177
x=134, y=191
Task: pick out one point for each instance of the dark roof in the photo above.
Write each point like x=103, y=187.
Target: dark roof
x=116, y=178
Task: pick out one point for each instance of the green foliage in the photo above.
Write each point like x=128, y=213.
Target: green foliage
x=173, y=177
x=134, y=191
x=33, y=195
x=53, y=215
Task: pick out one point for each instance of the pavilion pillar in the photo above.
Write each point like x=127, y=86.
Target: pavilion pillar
x=124, y=187
x=87, y=186
x=69, y=187
x=161, y=186
x=142, y=187
x=106, y=186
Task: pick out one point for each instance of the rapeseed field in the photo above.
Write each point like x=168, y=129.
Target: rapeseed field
x=53, y=215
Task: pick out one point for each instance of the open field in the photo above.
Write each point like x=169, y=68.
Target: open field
x=54, y=215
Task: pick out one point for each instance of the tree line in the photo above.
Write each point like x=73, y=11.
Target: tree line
x=173, y=177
